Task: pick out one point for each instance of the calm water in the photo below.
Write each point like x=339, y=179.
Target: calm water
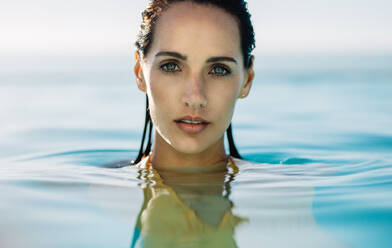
x=319, y=127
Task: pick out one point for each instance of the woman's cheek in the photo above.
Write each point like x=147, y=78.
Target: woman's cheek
x=162, y=102
x=223, y=108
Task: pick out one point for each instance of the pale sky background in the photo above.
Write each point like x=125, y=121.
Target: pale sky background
x=97, y=27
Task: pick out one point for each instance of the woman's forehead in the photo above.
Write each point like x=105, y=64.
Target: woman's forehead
x=188, y=27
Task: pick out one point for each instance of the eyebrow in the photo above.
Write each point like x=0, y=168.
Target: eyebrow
x=183, y=57
x=171, y=54
x=218, y=59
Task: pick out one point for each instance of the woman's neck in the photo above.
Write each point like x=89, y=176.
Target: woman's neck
x=165, y=156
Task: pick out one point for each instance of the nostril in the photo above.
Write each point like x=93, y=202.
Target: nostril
x=195, y=102
x=194, y=96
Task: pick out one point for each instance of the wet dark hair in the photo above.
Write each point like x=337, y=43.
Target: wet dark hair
x=150, y=16
x=237, y=8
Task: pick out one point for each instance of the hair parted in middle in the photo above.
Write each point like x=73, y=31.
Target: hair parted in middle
x=150, y=16
x=237, y=8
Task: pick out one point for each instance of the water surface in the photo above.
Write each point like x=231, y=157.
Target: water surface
x=319, y=129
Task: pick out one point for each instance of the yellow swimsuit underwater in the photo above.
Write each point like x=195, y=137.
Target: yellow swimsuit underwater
x=166, y=221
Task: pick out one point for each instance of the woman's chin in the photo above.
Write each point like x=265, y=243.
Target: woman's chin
x=189, y=148
x=189, y=144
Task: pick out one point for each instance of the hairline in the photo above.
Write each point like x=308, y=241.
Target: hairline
x=209, y=4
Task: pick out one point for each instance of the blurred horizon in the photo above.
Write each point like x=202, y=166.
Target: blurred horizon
x=97, y=28
x=66, y=67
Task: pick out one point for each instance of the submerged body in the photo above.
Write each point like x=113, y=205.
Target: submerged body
x=195, y=208
x=186, y=208
x=73, y=204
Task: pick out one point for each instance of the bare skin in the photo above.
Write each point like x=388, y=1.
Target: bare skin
x=194, y=69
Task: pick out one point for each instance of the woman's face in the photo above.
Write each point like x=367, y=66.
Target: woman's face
x=193, y=74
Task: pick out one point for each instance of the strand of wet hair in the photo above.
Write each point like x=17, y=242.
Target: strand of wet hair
x=232, y=148
x=147, y=124
x=148, y=129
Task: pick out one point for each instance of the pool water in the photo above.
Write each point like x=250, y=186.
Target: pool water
x=318, y=131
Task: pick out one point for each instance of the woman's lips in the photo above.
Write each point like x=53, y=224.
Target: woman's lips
x=191, y=125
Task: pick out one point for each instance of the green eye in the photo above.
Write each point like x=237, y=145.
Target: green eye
x=219, y=70
x=170, y=67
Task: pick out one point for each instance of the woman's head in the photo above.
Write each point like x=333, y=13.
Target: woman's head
x=236, y=8
x=193, y=65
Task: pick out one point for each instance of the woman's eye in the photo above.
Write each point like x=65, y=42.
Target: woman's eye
x=218, y=70
x=170, y=67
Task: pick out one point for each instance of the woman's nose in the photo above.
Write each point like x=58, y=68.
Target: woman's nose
x=195, y=96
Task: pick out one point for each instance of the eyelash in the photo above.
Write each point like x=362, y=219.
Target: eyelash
x=226, y=71
x=164, y=66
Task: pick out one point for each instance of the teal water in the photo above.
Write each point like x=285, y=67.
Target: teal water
x=320, y=129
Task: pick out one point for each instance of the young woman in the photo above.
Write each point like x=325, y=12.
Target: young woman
x=194, y=62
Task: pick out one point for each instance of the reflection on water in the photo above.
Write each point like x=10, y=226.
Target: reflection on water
x=196, y=209
x=186, y=208
x=76, y=199
x=320, y=132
